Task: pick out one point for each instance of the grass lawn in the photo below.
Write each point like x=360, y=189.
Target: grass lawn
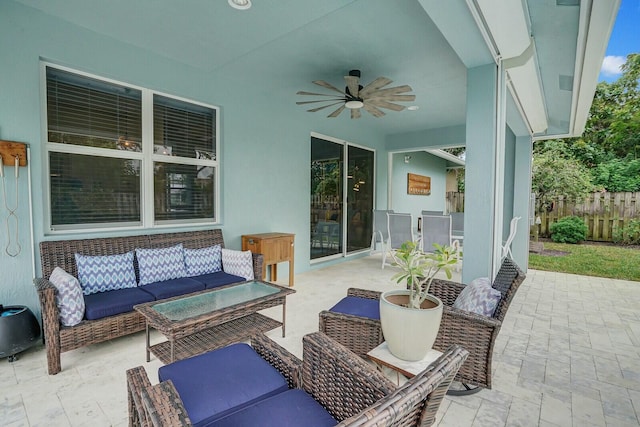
x=590, y=260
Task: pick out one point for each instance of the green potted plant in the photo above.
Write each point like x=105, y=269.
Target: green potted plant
x=410, y=318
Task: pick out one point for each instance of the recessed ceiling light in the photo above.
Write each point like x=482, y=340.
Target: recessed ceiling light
x=240, y=4
x=413, y=108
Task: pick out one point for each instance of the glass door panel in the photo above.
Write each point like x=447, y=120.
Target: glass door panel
x=359, y=190
x=327, y=160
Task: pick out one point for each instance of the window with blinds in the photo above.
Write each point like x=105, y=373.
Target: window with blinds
x=99, y=155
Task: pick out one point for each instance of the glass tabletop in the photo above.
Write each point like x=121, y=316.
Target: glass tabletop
x=196, y=305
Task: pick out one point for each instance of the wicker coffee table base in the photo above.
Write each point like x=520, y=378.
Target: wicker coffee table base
x=218, y=336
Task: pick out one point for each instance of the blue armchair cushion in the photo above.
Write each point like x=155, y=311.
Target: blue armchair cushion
x=220, y=278
x=173, y=287
x=217, y=383
x=105, y=304
x=358, y=306
x=294, y=407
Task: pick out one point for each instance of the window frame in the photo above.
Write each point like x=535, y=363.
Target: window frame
x=146, y=156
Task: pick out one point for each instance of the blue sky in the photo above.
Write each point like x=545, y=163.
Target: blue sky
x=625, y=39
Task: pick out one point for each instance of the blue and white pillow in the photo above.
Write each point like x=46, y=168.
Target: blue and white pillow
x=203, y=261
x=69, y=298
x=479, y=297
x=105, y=273
x=158, y=265
x=238, y=263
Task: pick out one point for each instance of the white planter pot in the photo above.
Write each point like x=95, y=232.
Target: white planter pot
x=409, y=333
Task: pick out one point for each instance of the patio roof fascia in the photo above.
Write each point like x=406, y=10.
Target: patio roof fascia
x=596, y=23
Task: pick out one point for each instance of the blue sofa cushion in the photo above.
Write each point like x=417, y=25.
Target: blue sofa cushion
x=173, y=287
x=214, y=384
x=214, y=280
x=293, y=407
x=358, y=306
x=105, y=304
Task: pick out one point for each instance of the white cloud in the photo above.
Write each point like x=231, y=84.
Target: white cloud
x=611, y=65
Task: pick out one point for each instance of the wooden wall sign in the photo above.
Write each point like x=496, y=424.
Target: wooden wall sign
x=418, y=184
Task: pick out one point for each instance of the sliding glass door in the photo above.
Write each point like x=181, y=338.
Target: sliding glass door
x=359, y=198
x=341, y=198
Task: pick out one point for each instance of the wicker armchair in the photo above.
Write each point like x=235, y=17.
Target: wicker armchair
x=476, y=333
x=350, y=389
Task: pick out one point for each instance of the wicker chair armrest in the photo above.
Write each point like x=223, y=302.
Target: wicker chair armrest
x=164, y=406
x=417, y=401
x=50, y=322
x=47, y=295
x=345, y=318
x=278, y=357
x=258, y=262
x=446, y=290
x=43, y=284
x=468, y=316
x=363, y=293
x=137, y=381
x=336, y=377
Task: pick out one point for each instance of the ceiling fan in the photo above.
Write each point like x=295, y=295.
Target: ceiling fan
x=371, y=97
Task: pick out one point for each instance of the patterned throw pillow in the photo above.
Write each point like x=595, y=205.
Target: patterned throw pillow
x=478, y=297
x=158, y=265
x=105, y=273
x=69, y=299
x=203, y=261
x=238, y=263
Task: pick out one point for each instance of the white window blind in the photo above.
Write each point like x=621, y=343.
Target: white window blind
x=97, y=155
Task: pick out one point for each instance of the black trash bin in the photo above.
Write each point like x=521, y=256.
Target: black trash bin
x=19, y=330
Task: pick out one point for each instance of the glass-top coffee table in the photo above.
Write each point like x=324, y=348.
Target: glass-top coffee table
x=206, y=320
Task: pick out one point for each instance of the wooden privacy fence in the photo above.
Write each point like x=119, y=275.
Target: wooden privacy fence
x=602, y=212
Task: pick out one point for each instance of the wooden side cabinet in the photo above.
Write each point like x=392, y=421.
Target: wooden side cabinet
x=275, y=248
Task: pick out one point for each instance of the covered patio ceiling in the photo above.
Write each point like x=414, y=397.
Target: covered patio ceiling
x=277, y=48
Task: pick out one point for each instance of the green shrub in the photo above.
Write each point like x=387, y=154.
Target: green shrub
x=629, y=234
x=570, y=229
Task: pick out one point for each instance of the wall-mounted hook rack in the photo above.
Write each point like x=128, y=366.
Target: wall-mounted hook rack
x=10, y=149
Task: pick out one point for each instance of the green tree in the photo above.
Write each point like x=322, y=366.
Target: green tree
x=555, y=174
x=611, y=141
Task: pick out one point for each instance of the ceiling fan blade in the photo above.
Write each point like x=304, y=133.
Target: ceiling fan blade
x=373, y=110
x=320, y=100
x=355, y=113
x=393, y=97
x=338, y=111
x=302, y=92
x=375, y=85
x=353, y=83
x=313, y=110
x=328, y=86
x=384, y=104
x=389, y=91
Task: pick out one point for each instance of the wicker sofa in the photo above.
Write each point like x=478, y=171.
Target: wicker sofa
x=58, y=338
x=331, y=385
x=474, y=332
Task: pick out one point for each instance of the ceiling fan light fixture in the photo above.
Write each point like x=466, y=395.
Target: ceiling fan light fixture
x=240, y=4
x=352, y=104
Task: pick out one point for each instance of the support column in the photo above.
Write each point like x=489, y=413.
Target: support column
x=484, y=175
x=521, y=197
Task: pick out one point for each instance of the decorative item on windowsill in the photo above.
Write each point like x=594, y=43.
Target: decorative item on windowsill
x=410, y=318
